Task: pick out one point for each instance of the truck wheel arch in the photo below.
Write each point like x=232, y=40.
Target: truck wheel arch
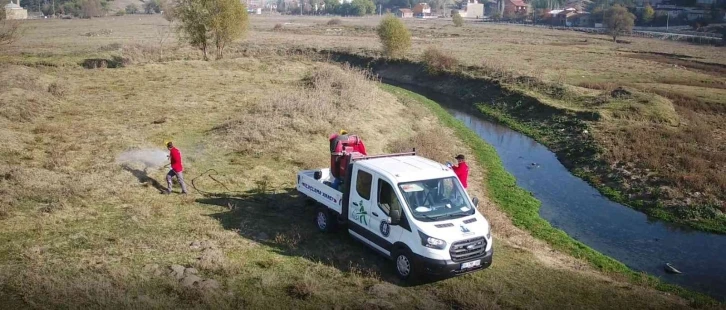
x=330, y=221
x=397, y=247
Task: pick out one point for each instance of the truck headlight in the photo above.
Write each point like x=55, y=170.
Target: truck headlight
x=431, y=242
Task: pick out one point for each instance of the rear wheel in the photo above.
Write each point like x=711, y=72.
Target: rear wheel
x=325, y=220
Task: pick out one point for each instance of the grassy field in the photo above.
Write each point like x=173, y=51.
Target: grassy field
x=81, y=231
x=658, y=140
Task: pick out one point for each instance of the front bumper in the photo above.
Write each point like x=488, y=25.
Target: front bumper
x=448, y=268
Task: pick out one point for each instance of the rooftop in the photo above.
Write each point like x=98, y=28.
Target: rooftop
x=407, y=168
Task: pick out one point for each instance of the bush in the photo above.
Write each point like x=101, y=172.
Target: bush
x=458, y=20
x=278, y=27
x=395, y=38
x=152, y=6
x=132, y=9
x=120, y=13
x=436, y=61
x=335, y=21
x=91, y=8
x=698, y=23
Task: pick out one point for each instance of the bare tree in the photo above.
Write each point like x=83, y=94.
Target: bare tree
x=163, y=32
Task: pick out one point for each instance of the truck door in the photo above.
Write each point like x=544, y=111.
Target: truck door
x=359, y=217
x=384, y=198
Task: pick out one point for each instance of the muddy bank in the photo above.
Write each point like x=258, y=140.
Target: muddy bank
x=566, y=133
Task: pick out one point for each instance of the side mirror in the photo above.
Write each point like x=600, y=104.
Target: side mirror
x=475, y=201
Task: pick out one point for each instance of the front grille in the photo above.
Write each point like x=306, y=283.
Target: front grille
x=471, y=220
x=444, y=225
x=467, y=249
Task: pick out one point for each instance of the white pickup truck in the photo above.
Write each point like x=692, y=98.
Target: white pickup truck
x=410, y=209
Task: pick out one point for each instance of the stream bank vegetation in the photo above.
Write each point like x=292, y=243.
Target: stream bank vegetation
x=80, y=231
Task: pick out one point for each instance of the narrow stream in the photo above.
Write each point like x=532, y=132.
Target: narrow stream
x=571, y=204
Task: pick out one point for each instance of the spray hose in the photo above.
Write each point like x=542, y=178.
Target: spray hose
x=211, y=173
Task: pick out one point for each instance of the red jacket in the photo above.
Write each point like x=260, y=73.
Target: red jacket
x=176, y=161
x=462, y=171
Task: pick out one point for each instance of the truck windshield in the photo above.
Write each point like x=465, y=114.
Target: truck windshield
x=437, y=199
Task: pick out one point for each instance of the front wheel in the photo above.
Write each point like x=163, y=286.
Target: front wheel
x=324, y=220
x=405, y=267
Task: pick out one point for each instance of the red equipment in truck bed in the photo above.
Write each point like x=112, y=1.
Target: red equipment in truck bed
x=342, y=146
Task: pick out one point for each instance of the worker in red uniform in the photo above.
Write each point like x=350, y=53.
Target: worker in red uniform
x=461, y=169
x=176, y=168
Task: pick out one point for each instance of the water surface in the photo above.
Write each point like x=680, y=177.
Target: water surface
x=571, y=204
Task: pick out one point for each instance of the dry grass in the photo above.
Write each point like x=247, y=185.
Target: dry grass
x=78, y=231
x=334, y=22
x=437, y=61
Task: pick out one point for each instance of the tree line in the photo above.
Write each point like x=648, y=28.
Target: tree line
x=89, y=8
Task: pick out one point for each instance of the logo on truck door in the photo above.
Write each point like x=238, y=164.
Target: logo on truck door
x=360, y=214
x=385, y=228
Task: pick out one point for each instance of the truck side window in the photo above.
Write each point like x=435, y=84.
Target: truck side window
x=363, y=184
x=386, y=197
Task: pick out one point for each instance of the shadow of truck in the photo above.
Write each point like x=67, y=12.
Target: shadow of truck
x=283, y=220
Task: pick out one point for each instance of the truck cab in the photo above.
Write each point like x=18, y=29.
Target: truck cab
x=408, y=208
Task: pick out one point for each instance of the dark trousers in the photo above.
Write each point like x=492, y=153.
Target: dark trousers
x=179, y=177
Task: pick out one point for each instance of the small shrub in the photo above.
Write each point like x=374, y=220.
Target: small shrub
x=120, y=13
x=458, y=20
x=436, y=61
x=304, y=288
x=335, y=21
x=132, y=9
x=395, y=38
x=58, y=90
x=277, y=27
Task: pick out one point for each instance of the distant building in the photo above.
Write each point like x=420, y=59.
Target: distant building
x=514, y=7
x=253, y=4
x=473, y=9
x=15, y=11
x=570, y=17
x=421, y=10
x=404, y=13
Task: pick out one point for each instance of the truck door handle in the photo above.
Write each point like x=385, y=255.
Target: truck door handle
x=374, y=214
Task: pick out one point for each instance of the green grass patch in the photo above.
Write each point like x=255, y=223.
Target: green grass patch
x=523, y=208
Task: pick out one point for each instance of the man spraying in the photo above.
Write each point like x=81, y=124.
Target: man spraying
x=176, y=168
x=461, y=169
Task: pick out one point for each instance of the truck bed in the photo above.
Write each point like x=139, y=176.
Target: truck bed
x=319, y=191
